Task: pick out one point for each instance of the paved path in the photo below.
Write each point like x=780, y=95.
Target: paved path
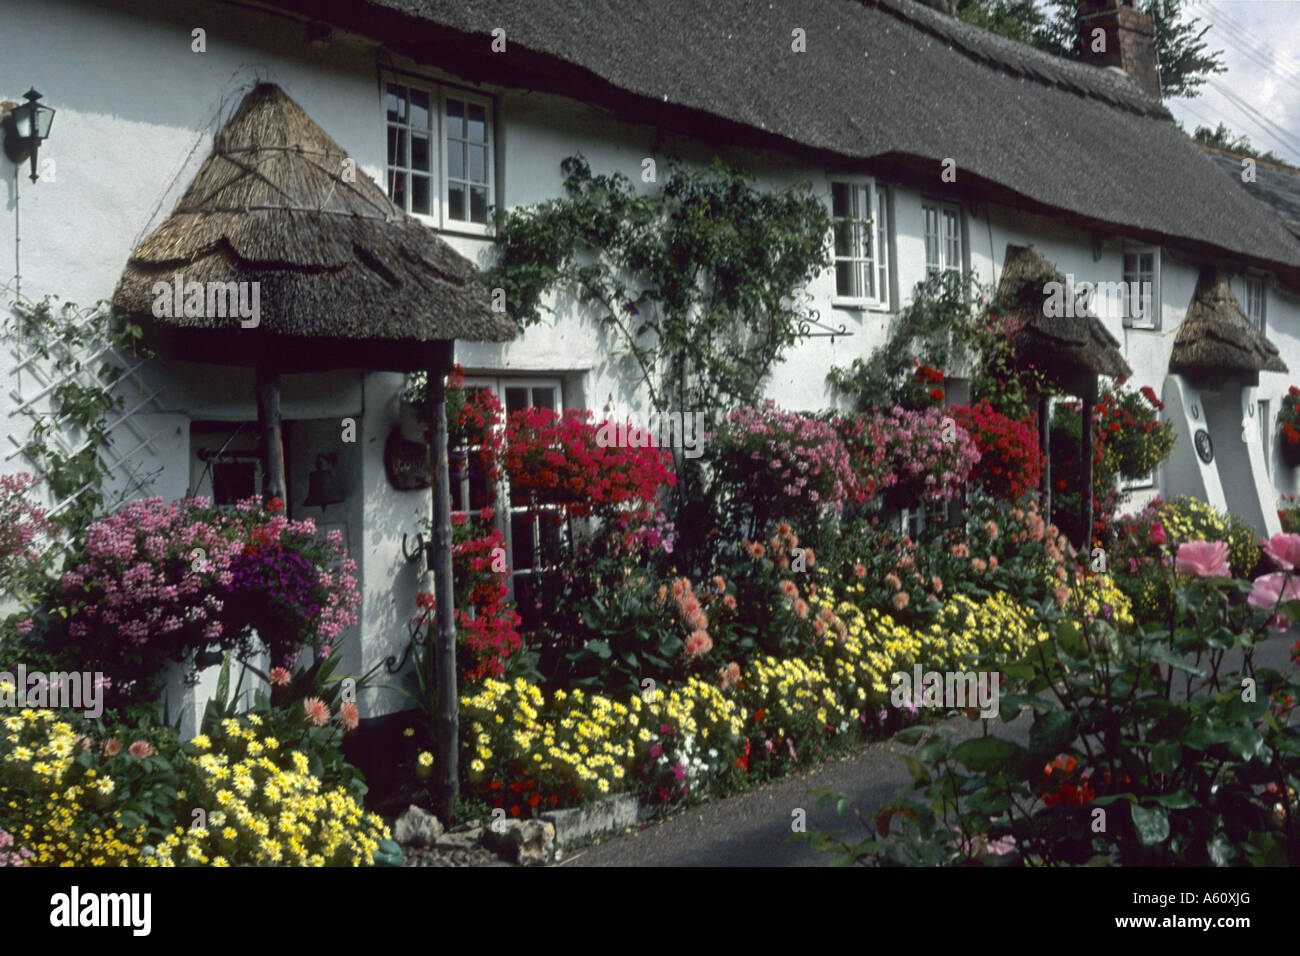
x=750, y=829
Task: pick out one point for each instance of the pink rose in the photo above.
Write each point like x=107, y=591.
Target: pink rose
x=1206, y=559
x=1157, y=534
x=1270, y=589
x=1284, y=549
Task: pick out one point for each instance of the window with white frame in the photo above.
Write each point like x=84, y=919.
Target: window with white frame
x=528, y=538
x=440, y=153
x=1253, y=298
x=943, y=251
x=1142, y=288
x=860, y=214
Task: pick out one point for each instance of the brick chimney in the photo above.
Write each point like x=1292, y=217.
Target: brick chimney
x=1127, y=40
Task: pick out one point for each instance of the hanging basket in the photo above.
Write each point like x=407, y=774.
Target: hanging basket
x=1290, y=453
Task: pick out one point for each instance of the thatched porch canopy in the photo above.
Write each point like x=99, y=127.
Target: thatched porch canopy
x=345, y=278
x=1067, y=347
x=1217, y=339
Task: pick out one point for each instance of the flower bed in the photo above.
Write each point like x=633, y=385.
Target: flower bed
x=526, y=750
x=71, y=796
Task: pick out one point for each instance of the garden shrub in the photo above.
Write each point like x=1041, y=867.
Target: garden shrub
x=1010, y=459
x=772, y=465
x=1146, y=541
x=264, y=807
x=1190, y=764
x=78, y=793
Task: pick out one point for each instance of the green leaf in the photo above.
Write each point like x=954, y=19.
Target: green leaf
x=987, y=753
x=1178, y=800
x=1221, y=850
x=1051, y=733
x=1152, y=825
x=916, y=769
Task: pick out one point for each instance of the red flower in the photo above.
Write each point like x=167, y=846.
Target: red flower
x=936, y=394
x=274, y=505
x=760, y=714
x=516, y=811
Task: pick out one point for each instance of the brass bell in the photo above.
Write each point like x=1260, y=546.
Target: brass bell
x=325, y=487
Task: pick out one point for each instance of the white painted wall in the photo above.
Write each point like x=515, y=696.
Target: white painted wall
x=137, y=110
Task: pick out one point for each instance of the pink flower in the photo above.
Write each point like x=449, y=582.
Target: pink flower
x=900, y=600
x=1284, y=549
x=280, y=677
x=789, y=589
x=349, y=716
x=24, y=626
x=1271, y=589
x=1206, y=559
x=699, y=644
x=892, y=582
x=112, y=747
x=1157, y=534
x=801, y=608
x=140, y=749
x=316, y=712
x=991, y=530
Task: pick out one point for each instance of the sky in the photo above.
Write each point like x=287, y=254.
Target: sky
x=1260, y=40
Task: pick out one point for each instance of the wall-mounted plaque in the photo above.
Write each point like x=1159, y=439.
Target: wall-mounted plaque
x=1204, y=447
x=407, y=462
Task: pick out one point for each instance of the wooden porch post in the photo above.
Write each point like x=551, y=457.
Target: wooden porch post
x=446, y=778
x=1087, y=473
x=1045, y=442
x=271, y=439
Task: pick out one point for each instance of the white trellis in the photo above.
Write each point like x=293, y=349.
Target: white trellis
x=132, y=453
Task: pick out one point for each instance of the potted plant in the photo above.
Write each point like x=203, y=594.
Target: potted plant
x=1288, y=420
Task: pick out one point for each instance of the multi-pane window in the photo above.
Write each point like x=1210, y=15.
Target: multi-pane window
x=440, y=154
x=861, y=229
x=942, y=238
x=467, y=151
x=1142, y=288
x=530, y=539
x=1252, y=299
x=412, y=139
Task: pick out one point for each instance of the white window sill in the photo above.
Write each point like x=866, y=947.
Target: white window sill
x=470, y=230
x=859, y=305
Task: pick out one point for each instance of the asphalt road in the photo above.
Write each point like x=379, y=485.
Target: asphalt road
x=751, y=829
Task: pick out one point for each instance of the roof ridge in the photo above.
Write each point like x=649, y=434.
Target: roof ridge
x=1266, y=163
x=1023, y=60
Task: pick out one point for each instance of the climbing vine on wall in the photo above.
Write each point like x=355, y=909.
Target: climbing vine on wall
x=78, y=357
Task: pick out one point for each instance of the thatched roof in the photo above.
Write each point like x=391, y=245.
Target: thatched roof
x=1277, y=186
x=887, y=81
x=1064, y=345
x=1216, y=337
x=346, y=279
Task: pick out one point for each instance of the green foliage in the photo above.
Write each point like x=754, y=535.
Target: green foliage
x=68, y=339
x=1222, y=138
x=930, y=330
x=699, y=283
x=1184, y=59
x=1190, y=764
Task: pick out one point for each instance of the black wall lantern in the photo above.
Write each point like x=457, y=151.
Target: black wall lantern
x=25, y=127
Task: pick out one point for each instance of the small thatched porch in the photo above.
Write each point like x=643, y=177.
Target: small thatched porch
x=341, y=278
